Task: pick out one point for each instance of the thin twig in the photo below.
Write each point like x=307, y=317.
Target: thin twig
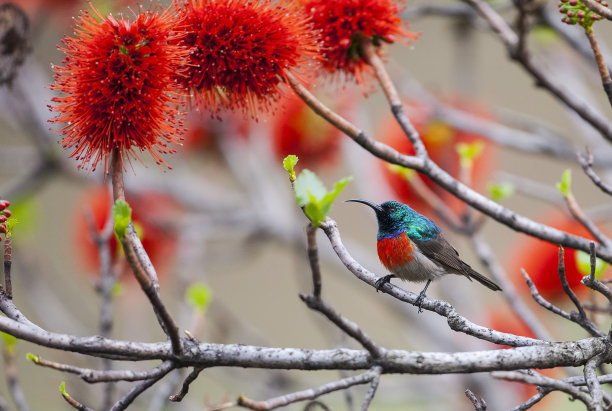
x=541, y=380
x=392, y=95
x=8, y=249
x=95, y=376
x=543, y=392
x=586, y=162
x=500, y=276
x=74, y=403
x=573, y=316
x=313, y=258
x=344, y=324
x=576, y=211
x=590, y=376
x=128, y=398
x=510, y=39
x=592, y=282
x=606, y=80
x=581, y=317
x=478, y=403
x=309, y=394
x=140, y=262
x=373, y=386
x=185, y=387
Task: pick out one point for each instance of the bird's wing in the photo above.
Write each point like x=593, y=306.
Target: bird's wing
x=440, y=251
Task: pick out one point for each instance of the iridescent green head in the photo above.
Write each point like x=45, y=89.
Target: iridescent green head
x=395, y=218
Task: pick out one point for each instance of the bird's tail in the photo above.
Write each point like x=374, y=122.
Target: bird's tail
x=471, y=273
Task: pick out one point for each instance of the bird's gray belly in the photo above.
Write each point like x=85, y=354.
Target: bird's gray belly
x=420, y=269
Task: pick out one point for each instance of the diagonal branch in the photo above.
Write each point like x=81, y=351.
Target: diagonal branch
x=510, y=39
x=586, y=162
x=311, y=393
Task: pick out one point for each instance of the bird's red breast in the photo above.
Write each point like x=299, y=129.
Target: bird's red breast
x=395, y=251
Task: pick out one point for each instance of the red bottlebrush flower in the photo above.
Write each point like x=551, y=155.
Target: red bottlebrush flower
x=241, y=50
x=343, y=23
x=120, y=89
x=298, y=130
x=440, y=140
x=152, y=214
x=540, y=259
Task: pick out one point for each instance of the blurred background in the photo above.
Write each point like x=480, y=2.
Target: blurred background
x=225, y=219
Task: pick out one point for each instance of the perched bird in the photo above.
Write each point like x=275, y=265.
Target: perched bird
x=412, y=247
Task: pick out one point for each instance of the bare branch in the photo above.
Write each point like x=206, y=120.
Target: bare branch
x=511, y=40
x=590, y=376
x=455, y=321
x=128, y=398
x=587, y=165
x=310, y=393
x=576, y=211
x=534, y=378
x=581, y=317
x=8, y=249
x=185, y=388
x=606, y=80
x=313, y=258
x=478, y=403
x=510, y=294
x=592, y=282
x=344, y=324
x=95, y=376
x=373, y=386
x=10, y=372
x=392, y=97
x=74, y=403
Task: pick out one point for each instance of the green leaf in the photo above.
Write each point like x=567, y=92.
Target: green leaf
x=32, y=357
x=62, y=388
x=468, y=152
x=122, y=214
x=117, y=289
x=198, y=296
x=289, y=163
x=308, y=183
x=311, y=194
x=583, y=264
x=500, y=191
x=565, y=185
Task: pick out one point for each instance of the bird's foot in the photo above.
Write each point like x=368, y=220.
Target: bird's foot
x=419, y=301
x=380, y=283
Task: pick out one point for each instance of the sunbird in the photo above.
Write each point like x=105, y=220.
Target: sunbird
x=412, y=247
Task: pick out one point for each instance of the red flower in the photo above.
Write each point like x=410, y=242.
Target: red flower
x=343, y=23
x=120, y=90
x=440, y=139
x=298, y=130
x=152, y=214
x=241, y=50
x=540, y=259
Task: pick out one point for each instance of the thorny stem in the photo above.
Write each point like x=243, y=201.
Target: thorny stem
x=606, y=80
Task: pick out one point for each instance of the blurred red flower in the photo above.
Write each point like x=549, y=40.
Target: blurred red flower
x=540, y=259
x=152, y=214
x=440, y=139
x=343, y=23
x=119, y=87
x=298, y=130
x=241, y=50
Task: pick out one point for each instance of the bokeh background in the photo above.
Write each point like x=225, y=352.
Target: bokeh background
x=225, y=216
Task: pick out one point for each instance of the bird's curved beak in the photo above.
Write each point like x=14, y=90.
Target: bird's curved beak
x=375, y=206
